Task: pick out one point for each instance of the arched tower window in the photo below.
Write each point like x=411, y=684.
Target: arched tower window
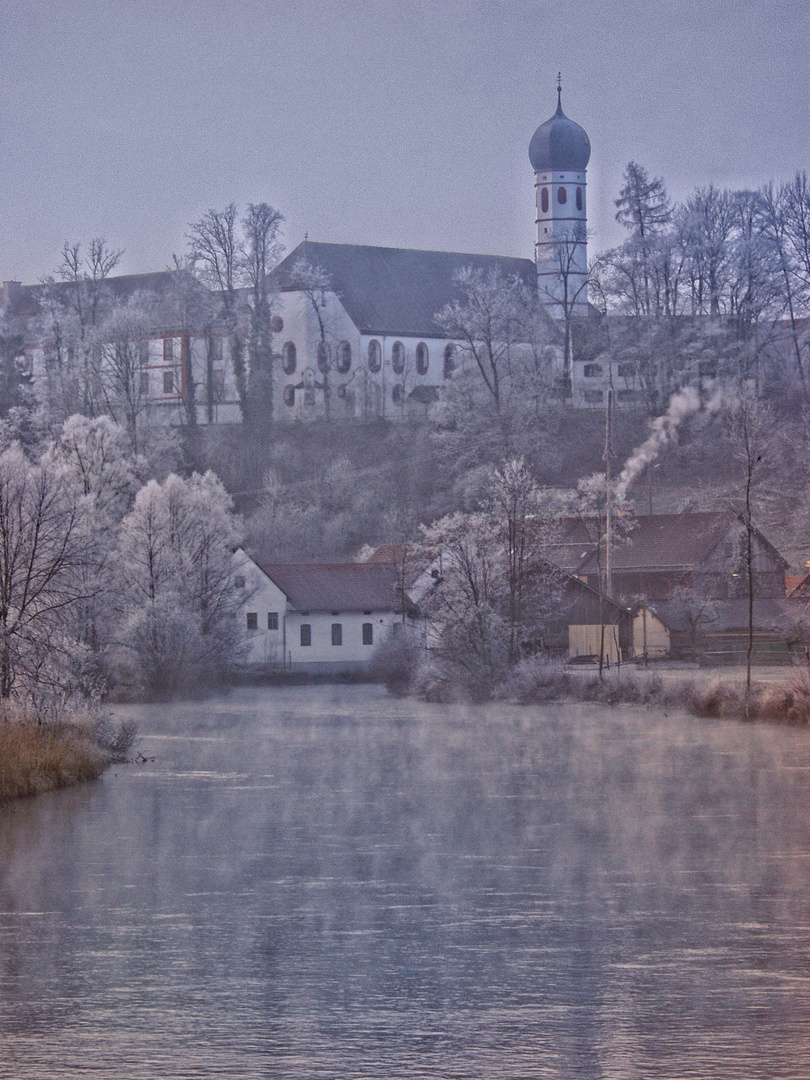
x=374, y=355
x=562, y=196
x=398, y=357
x=579, y=198
x=289, y=357
x=544, y=200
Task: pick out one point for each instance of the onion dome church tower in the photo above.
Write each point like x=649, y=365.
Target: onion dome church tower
x=559, y=153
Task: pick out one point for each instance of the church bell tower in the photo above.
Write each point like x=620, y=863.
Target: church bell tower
x=559, y=153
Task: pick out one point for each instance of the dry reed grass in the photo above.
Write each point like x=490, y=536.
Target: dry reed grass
x=37, y=757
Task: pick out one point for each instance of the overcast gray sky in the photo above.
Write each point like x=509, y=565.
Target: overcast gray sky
x=368, y=121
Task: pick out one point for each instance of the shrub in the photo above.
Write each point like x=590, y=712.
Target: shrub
x=535, y=680
x=394, y=663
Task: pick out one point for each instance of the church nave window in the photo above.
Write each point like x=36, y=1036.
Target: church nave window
x=289, y=357
x=344, y=357
x=422, y=358
x=398, y=393
x=374, y=355
x=324, y=356
x=398, y=357
x=289, y=396
x=449, y=360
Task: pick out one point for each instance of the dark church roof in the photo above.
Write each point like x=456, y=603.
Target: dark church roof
x=395, y=290
x=559, y=144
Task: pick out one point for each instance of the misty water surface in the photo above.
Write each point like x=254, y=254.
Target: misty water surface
x=331, y=883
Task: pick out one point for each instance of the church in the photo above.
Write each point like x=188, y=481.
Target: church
x=354, y=327
x=369, y=345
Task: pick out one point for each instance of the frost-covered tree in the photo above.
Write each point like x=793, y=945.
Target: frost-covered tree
x=487, y=323
x=178, y=598
x=44, y=551
x=232, y=254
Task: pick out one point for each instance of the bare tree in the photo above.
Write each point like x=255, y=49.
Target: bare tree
x=750, y=429
x=487, y=324
x=215, y=249
x=43, y=548
x=260, y=250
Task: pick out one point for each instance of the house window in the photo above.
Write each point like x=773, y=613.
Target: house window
x=626, y=395
x=397, y=393
x=627, y=371
x=422, y=358
x=289, y=396
x=579, y=198
x=324, y=356
x=374, y=355
x=368, y=633
x=337, y=633
x=168, y=350
x=398, y=357
x=239, y=581
x=562, y=196
x=289, y=357
x=276, y=324
x=449, y=360
x=253, y=620
x=272, y=620
x=168, y=382
x=344, y=357
x=143, y=384
x=306, y=633
x=593, y=397
x=592, y=371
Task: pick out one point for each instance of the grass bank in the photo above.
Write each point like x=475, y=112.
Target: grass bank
x=37, y=757
x=783, y=700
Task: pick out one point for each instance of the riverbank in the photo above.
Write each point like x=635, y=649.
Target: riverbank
x=36, y=757
x=777, y=694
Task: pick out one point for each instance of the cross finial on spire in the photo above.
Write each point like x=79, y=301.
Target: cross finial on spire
x=559, y=82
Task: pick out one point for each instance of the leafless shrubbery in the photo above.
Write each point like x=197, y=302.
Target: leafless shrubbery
x=395, y=662
x=536, y=679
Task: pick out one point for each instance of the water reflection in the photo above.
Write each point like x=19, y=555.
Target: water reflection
x=336, y=884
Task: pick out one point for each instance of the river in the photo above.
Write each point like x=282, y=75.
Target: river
x=331, y=883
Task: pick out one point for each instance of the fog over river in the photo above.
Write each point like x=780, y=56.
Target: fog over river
x=330, y=883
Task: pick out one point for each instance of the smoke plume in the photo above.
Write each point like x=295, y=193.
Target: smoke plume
x=664, y=429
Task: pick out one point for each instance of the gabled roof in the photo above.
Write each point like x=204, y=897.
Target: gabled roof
x=667, y=541
x=336, y=586
x=167, y=289
x=723, y=616
x=395, y=290
x=676, y=542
